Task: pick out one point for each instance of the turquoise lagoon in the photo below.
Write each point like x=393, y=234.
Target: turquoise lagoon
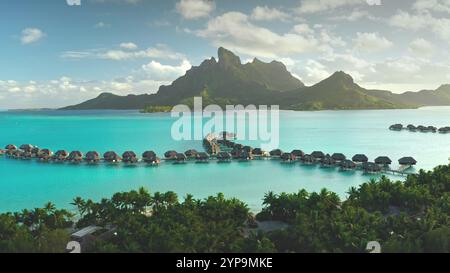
x=29, y=184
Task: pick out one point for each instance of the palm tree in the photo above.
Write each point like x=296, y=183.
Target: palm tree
x=80, y=204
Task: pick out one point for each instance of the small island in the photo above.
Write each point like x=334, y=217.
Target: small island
x=157, y=109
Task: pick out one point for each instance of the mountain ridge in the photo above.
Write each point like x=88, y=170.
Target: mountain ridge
x=227, y=81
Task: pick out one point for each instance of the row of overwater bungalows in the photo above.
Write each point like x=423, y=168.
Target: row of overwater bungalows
x=420, y=128
x=230, y=151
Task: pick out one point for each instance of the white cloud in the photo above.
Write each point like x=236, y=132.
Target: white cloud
x=264, y=13
x=234, y=31
x=421, y=48
x=371, y=42
x=101, y=25
x=194, y=9
x=355, y=15
x=420, y=21
x=432, y=5
x=303, y=29
x=129, y=46
x=314, y=6
x=127, y=51
x=31, y=35
x=158, y=71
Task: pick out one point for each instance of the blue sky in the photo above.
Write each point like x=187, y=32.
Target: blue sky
x=53, y=54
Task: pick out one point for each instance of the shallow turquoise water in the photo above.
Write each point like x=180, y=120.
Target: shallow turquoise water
x=28, y=184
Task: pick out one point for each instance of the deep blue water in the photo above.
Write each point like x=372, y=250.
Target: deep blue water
x=28, y=184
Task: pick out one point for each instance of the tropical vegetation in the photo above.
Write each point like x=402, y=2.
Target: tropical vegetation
x=408, y=216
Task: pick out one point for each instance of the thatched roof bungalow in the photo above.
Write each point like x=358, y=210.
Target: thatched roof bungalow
x=411, y=128
x=444, y=130
x=10, y=147
x=276, y=153
x=308, y=159
x=298, y=153
x=288, y=157
x=245, y=156
x=26, y=147
x=45, y=155
x=347, y=165
x=248, y=149
x=317, y=155
x=170, y=155
x=75, y=157
x=224, y=157
x=112, y=157
x=202, y=157
x=327, y=161
x=92, y=157
x=338, y=157
x=192, y=153
x=407, y=161
x=35, y=151
x=423, y=129
x=370, y=167
x=150, y=157
x=360, y=158
x=180, y=158
x=396, y=127
x=129, y=157
x=60, y=155
x=383, y=161
x=258, y=152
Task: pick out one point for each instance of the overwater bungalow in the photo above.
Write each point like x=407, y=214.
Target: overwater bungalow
x=258, y=152
x=150, y=157
x=170, y=155
x=75, y=157
x=16, y=154
x=26, y=155
x=248, y=149
x=129, y=157
x=276, y=153
x=318, y=155
x=383, y=161
x=238, y=146
x=202, y=157
x=223, y=157
x=10, y=148
x=339, y=157
x=422, y=129
x=191, y=154
x=396, y=127
x=236, y=153
x=111, y=157
x=60, y=156
x=45, y=155
x=360, y=158
x=35, y=151
x=347, y=165
x=370, y=167
x=2, y=152
x=245, y=156
x=288, y=158
x=444, y=130
x=26, y=147
x=407, y=161
x=432, y=129
x=298, y=153
x=92, y=157
x=411, y=128
x=327, y=162
x=308, y=159
x=180, y=158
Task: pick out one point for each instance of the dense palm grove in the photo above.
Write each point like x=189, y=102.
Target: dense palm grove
x=410, y=216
